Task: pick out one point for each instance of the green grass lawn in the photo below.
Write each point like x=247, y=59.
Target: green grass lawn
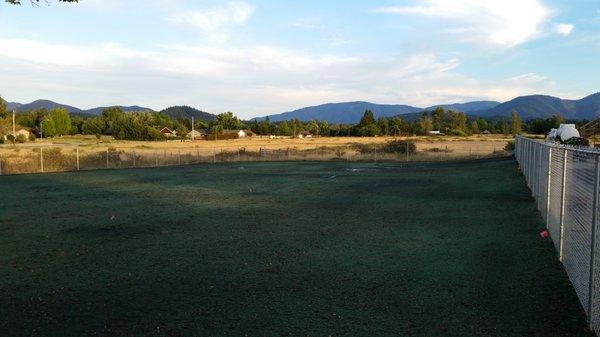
x=281, y=249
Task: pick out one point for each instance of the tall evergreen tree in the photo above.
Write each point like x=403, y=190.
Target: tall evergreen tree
x=367, y=119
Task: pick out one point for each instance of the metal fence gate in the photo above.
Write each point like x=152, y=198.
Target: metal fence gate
x=564, y=181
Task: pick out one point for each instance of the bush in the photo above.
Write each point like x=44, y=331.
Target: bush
x=365, y=148
x=399, y=146
x=21, y=139
x=437, y=150
x=459, y=133
x=510, y=146
x=32, y=137
x=11, y=138
x=2, y=140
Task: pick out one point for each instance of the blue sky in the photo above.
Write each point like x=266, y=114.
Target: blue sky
x=259, y=57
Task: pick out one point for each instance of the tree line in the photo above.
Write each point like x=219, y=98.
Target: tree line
x=146, y=125
x=445, y=121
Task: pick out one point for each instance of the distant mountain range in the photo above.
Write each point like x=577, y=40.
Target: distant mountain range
x=351, y=112
x=528, y=107
x=47, y=104
x=541, y=106
x=467, y=107
x=173, y=112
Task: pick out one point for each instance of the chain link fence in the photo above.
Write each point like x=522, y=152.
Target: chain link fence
x=565, y=181
x=62, y=158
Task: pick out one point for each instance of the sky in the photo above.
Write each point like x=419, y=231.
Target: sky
x=259, y=57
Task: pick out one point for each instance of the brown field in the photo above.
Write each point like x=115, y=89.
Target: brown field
x=61, y=154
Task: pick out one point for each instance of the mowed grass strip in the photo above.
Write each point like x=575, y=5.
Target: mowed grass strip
x=281, y=249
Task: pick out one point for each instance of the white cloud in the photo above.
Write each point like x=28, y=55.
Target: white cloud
x=564, y=29
x=506, y=23
x=217, y=21
x=251, y=81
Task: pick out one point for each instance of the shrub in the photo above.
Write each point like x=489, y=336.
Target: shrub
x=459, y=133
x=11, y=138
x=510, y=146
x=2, y=140
x=364, y=148
x=21, y=139
x=32, y=137
x=437, y=149
x=399, y=146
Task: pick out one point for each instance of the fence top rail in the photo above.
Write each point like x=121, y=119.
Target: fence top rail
x=580, y=149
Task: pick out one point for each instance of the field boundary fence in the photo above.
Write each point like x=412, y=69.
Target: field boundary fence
x=564, y=181
x=64, y=158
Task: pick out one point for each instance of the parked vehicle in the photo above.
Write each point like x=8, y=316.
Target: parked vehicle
x=566, y=134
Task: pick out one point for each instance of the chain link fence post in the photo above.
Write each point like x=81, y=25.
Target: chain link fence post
x=42, y=159
x=548, y=189
x=593, y=240
x=562, y=206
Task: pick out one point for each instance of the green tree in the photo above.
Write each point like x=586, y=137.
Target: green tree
x=557, y=120
x=384, y=125
x=296, y=127
x=62, y=121
x=457, y=121
x=264, y=127
x=483, y=124
x=367, y=119
x=3, y=113
x=228, y=121
x=475, y=127
x=93, y=126
x=396, y=126
x=181, y=130
x=313, y=127
x=216, y=130
x=437, y=117
x=324, y=128
x=283, y=129
x=369, y=130
x=425, y=123
x=48, y=128
x=515, y=123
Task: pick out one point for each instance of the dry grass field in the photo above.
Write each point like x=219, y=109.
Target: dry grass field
x=60, y=154
x=255, y=143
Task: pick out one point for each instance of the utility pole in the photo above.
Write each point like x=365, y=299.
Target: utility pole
x=14, y=127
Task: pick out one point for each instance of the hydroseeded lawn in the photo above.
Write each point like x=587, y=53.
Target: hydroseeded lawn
x=281, y=249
